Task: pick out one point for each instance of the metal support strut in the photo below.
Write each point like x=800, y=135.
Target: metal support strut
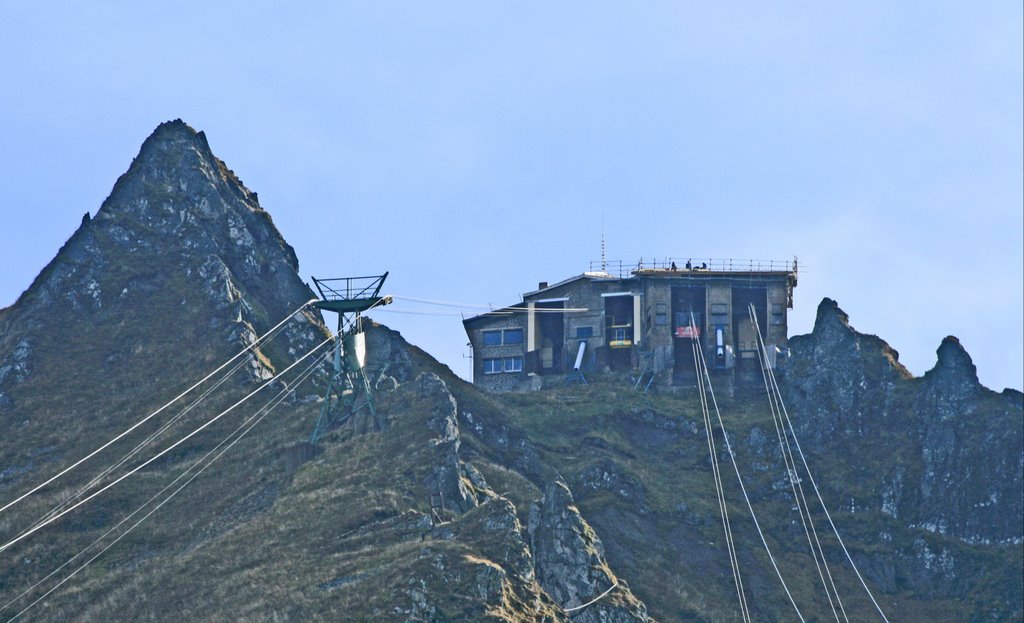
x=348, y=390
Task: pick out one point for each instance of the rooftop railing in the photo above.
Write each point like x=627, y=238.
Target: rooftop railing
x=350, y=288
x=622, y=270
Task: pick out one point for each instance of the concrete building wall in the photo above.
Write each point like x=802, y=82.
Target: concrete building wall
x=584, y=294
x=591, y=323
x=576, y=296
x=777, y=331
x=657, y=323
x=503, y=381
x=719, y=293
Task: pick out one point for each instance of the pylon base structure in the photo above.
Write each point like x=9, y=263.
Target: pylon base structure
x=348, y=390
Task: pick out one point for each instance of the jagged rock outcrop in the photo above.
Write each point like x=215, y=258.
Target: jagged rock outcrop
x=896, y=458
x=965, y=441
x=952, y=388
x=846, y=375
x=448, y=477
x=570, y=563
x=971, y=455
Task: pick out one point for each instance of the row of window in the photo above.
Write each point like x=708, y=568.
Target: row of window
x=503, y=336
x=503, y=364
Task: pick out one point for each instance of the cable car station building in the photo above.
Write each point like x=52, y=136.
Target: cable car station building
x=639, y=319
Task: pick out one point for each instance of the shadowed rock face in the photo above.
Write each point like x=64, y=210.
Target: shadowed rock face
x=570, y=562
x=557, y=555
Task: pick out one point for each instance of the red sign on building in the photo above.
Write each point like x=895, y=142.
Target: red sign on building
x=688, y=332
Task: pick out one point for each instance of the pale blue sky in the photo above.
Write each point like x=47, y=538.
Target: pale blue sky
x=472, y=148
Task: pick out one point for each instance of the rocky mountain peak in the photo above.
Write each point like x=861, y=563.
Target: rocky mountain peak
x=849, y=381
x=952, y=385
x=178, y=237
x=178, y=201
x=835, y=342
x=176, y=181
x=175, y=132
x=830, y=317
x=954, y=364
x=169, y=142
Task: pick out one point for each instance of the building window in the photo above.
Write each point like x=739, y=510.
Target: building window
x=584, y=332
x=661, y=315
x=513, y=336
x=508, y=364
x=777, y=309
x=503, y=336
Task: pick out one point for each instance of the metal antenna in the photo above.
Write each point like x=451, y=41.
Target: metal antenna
x=604, y=263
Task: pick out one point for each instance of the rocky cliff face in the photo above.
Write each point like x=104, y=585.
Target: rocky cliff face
x=961, y=466
x=571, y=565
x=450, y=504
x=178, y=270
x=180, y=245
x=922, y=476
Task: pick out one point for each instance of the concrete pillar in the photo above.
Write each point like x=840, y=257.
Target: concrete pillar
x=531, y=328
x=637, y=328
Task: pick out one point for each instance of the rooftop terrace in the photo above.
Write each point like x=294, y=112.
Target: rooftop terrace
x=668, y=265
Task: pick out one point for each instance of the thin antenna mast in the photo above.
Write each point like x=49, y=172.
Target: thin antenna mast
x=604, y=263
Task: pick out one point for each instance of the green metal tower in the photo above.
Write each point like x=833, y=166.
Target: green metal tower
x=349, y=390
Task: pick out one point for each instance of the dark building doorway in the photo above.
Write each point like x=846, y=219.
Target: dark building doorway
x=551, y=330
x=743, y=329
x=688, y=305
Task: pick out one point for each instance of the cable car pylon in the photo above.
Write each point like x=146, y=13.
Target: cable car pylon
x=348, y=390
